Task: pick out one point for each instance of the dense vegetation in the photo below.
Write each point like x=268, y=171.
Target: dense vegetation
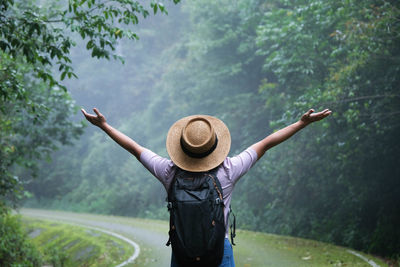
x=36, y=38
x=35, y=48
x=15, y=250
x=256, y=65
x=69, y=245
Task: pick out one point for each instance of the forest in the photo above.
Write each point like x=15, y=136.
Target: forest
x=257, y=65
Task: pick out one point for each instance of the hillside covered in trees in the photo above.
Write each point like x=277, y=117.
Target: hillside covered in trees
x=257, y=65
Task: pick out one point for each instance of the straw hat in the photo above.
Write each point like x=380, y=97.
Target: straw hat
x=198, y=143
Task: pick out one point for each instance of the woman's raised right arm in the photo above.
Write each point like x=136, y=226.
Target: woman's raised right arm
x=124, y=141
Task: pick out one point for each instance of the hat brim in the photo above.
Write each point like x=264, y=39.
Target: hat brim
x=185, y=162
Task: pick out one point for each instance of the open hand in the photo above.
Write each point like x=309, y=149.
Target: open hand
x=310, y=116
x=98, y=119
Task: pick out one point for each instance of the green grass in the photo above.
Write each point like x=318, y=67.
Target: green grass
x=261, y=249
x=69, y=245
x=252, y=249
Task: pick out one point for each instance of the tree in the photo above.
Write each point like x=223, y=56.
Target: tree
x=36, y=38
x=31, y=126
x=345, y=56
x=258, y=65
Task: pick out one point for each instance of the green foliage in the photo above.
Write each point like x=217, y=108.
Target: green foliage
x=31, y=125
x=35, y=47
x=15, y=248
x=258, y=66
x=39, y=34
x=343, y=56
x=250, y=250
x=290, y=251
x=68, y=245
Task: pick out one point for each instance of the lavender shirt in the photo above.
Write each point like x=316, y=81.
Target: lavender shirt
x=228, y=172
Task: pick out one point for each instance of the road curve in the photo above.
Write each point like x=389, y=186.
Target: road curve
x=152, y=236
x=152, y=242
x=129, y=241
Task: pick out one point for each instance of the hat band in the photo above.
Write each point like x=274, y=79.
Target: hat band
x=199, y=155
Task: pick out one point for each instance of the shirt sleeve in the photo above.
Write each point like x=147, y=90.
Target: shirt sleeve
x=238, y=165
x=160, y=167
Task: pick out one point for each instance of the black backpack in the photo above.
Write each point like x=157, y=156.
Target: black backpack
x=197, y=228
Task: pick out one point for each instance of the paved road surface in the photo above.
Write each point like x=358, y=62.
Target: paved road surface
x=151, y=241
x=151, y=236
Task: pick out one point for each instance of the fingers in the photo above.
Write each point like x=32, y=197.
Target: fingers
x=97, y=112
x=90, y=115
x=87, y=115
x=326, y=112
x=318, y=115
x=84, y=112
x=308, y=113
x=322, y=114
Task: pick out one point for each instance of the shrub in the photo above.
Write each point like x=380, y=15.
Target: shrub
x=15, y=248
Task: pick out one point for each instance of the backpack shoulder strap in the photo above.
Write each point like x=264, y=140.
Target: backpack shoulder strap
x=232, y=226
x=217, y=184
x=178, y=172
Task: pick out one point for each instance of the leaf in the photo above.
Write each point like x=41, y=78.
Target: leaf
x=89, y=45
x=155, y=8
x=4, y=45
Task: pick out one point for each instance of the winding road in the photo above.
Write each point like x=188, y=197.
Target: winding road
x=149, y=238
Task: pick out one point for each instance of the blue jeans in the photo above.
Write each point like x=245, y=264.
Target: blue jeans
x=227, y=259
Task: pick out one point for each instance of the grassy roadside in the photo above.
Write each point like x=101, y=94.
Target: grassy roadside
x=69, y=245
x=261, y=249
x=151, y=235
x=252, y=249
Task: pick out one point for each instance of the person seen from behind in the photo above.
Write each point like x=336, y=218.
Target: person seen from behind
x=198, y=170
